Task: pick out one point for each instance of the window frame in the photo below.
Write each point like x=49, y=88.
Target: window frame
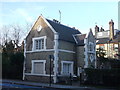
x=34, y=43
x=32, y=68
x=93, y=47
x=67, y=62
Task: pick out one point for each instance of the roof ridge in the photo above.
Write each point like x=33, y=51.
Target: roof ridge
x=62, y=24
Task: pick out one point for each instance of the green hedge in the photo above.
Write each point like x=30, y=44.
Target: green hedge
x=12, y=65
x=103, y=76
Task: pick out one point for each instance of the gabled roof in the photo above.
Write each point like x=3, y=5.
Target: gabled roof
x=80, y=39
x=65, y=33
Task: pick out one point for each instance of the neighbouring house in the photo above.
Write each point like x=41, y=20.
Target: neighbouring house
x=71, y=50
x=108, y=40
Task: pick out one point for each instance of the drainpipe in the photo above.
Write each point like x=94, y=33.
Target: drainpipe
x=24, y=60
x=56, y=36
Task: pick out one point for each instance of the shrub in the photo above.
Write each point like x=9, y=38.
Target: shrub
x=12, y=65
x=103, y=76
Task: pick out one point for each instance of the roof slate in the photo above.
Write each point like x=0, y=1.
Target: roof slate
x=65, y=33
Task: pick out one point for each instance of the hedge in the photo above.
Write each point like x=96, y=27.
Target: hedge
x=103, y=76
x=12, y=66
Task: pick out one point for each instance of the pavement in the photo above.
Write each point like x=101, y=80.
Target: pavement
x=45, y=85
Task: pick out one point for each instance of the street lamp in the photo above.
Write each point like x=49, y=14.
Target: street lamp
x=51, y=57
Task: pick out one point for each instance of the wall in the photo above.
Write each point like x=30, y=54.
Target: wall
x=46, y=31
x=66, y=45
x=67, y=56
x=80, y=56
x=41, y=55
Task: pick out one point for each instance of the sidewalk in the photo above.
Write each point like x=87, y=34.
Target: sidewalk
x=47, y=85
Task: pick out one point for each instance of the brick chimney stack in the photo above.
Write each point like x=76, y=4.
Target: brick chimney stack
x=111, y=27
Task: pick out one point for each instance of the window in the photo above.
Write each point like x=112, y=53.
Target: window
x=116, y=47
x=67, y=67
x=91, y=57
x=91, y=46
x=38, y=66
x=39, y=43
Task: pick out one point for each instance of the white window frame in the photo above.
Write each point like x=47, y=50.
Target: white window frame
x=93, y=49
x=68, y=62
x=43, y=61
x=38, y=38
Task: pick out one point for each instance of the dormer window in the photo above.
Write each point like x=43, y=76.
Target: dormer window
x=39, y=28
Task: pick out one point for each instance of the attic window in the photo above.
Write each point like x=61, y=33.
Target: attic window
x=39, y=28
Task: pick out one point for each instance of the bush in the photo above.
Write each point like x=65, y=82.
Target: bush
x=103, y=76
x=12, y=65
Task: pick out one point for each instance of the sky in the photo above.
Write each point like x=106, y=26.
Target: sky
x=82, y=15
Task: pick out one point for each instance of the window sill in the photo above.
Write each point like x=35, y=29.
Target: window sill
x=66, y=75
x=37, y=74
x=39, y=50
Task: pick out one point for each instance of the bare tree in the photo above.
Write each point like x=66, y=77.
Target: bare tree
x=5, y=34
x=14, y=32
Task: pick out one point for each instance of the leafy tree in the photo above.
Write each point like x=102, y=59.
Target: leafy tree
x=101, y=52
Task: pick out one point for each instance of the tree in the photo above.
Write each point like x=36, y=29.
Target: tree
x=12, y=57
x=8, y=50
x=5, y=34
x=100, y=52
x=12, y=62
x=14, y=32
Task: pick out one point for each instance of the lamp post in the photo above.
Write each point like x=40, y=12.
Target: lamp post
x=51, y=57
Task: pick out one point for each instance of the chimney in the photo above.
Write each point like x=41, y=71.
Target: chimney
x=74, y=28
x=96, y=30
x=111, y=27
x=56, y=21
x=101, y=29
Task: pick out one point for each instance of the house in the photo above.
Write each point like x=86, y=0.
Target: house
x=71, y=50
x=108, y=40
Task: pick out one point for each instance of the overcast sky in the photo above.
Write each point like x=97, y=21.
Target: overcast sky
x=82, y=15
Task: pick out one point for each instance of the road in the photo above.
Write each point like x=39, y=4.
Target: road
x=9, y=86
x=24, y=85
